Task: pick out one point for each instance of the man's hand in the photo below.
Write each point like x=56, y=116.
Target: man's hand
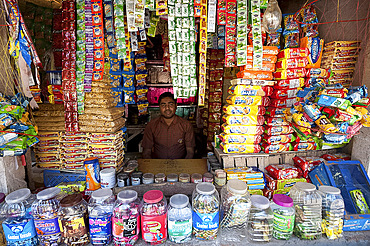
x=189, y=153
x=147, y=154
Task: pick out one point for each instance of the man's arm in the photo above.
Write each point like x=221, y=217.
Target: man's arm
x=189, y=153
x=147, y=153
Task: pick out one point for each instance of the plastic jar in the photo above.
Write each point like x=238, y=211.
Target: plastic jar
x=148, y=178
x=206, y=205
x=235, y=207
x=2, y=218
x=136, y=178
x=172, y=177
x=260, y=220
x=196, y=178
x=180, y=222
x=126, y=218
x=160, y=178
x=154, y=212
x=18, y=218
x=45, y=214
x=108, y=178
x=100, y=209
x=332, y=211
x=308, y=205
x=208, y=177
x=220, y=177
x=184, y=178
x=123, y=180
x=284, y=215
x=73, y=220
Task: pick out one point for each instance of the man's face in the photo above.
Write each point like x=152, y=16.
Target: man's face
x=167, y=107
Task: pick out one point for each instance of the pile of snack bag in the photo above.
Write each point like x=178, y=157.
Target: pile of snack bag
x=17, y=131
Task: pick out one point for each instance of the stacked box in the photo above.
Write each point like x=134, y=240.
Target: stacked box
x=252, y=176
x=47, y=151
x=341, y=58
x=73, y=150
x=50, y=117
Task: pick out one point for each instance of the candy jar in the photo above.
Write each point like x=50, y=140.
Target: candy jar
x=73, y=220
x=2, y=218
x=235, y=207
x=332, y=211
x=126, y=218
x=100, y=209
x=284, y=214
x=18, y=226
x=260, y=219
x=180, y=223
x=307, y=204
x=45, y=214
x=206, y=205
x=154, y=217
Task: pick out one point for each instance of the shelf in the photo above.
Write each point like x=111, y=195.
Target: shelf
x=159, y=85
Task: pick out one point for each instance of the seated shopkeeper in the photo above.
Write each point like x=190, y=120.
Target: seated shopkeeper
x=168, y=136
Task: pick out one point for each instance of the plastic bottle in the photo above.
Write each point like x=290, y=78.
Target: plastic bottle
x=332, y=211
x=154, y=212
x=19, y=228
x=126, y=218
x=100, y=209
x=284, y=215
x=180, y=222
x=260, y=219
x=45, y=214
x=235, y=207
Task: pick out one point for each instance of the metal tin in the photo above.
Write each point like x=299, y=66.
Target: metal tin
x=208, y=177
x=123, y=180
x=196, y=178
x=148, y=178
x=184, y=178
x=172, y=177
x=160, y=178
x=136, y=178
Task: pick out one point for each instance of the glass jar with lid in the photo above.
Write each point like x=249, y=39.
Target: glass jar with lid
x=19, y=228
x=126, y=218
x=308, y=205
x=74, y=220
x=260, y=220
x=179, y=219
x=100, y=209
x=235, y=207
x=284, y=215
x=45, y=214
x=154, y=212
x=332, y=211
x=206, y=206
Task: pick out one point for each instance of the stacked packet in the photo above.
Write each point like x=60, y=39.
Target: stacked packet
x=251, y=175
x=341, y=58
x=73, y=150
x=289, y=78
x=47, y=150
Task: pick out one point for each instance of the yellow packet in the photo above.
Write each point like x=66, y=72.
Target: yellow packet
x=325, y=125
x=243, y=119
x=300, y=120
x=243, y=110
x=240, y=138
x=248, y=100
x=240, y=148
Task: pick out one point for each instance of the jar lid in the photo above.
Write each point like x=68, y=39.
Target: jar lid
x=71, y=200
x=127, y=196
x=283, y=200
x=122, y=176
x=137, y=174
x=179, y=200
x=148, y=176
x=48, y=193
x=260, y=202
x=102, y=194
x=160, y=175
x=2, y=197
x=305, y=186
x=184, y=175
x=153, y=196
x=329, y=189
x=172, y=176
x=18, y=196
x=196, y=176
x=205, y=188
x=208, y=175
x=237, y=186
x=108, y=172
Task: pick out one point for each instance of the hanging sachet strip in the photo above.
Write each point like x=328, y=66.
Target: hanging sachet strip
x=242, y=33
x=257, y=34
x=202, y=54
x=89, y=46
x=230, y=36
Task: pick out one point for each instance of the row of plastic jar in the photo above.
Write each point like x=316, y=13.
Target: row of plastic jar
x=71, y=221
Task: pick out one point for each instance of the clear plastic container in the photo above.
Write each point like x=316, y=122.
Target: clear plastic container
x=260, y=220
x=45, y=214
x=284, y=215
x=235, y=207
x=180, y=222
x=100, y=209
x=154, y=212
x=126, y=218
x=74, y=220
x=18, y=226
x=307, y=203
x=332, y=211
x=2, y=218
x=206, y=206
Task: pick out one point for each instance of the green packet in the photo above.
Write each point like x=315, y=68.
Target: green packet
x=15, y=111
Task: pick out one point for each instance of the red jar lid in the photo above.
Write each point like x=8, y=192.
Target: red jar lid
x=153, y=196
